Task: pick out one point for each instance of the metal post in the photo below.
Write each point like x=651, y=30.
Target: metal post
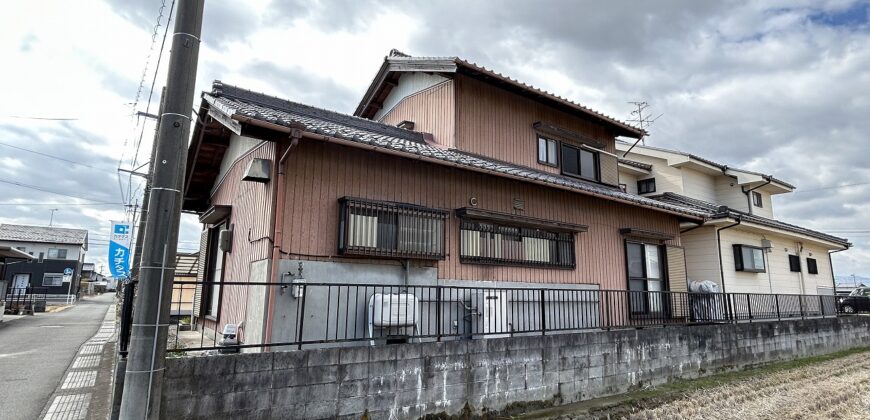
x=301, y=319
x=146, y=360
x=801, y=305
x=543, y=314
x=438, y=313
x=778, y=316
x=749, y=306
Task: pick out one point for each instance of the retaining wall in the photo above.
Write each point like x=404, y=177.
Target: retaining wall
x=410, y=380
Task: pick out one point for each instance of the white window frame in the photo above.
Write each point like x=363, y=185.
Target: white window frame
x=57, y=275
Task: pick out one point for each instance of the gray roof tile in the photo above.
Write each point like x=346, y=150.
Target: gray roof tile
x=234, y=100
x=714, y=211
x=43, y=234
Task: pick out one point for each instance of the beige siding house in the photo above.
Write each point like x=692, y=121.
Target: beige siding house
x=741, y=246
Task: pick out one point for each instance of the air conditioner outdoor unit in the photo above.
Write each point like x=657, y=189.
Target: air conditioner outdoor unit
x=491, y=308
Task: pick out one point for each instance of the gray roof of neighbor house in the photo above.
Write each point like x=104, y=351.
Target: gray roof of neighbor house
x=241, y=103
x=397, y=61
x=43, y=234
x=712, y=163
x=636, y=164
x=718, y=212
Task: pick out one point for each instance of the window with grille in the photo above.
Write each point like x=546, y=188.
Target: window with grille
x=646, y=186
x=387, y=229
x=491, y=243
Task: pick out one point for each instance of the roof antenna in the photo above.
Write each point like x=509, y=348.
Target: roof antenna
x=642, y=121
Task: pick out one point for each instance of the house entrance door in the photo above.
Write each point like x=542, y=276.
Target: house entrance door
x=21, y=281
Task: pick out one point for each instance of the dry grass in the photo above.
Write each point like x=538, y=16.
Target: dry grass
x=832, y=389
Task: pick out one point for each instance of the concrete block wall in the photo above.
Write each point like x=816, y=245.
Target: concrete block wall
x=410, y=380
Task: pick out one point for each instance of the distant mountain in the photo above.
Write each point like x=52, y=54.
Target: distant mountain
x=849, y=281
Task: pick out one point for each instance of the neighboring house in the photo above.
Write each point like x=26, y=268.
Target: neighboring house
x=186, y=268
x=92, y=281
x=54, y=250
x=448, y=174
x=741, y=246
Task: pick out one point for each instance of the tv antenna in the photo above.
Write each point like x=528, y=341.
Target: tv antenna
x=640, y=117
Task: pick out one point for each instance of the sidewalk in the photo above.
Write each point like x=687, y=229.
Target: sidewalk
x=86, y=389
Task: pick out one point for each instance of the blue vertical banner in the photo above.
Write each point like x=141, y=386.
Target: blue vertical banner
x=119, y=250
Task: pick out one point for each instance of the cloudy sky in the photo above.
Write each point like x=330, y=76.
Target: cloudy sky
x=781, y=87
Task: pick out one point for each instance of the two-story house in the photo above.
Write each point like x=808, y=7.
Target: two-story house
x=741, y=246
x=447, y=174
x=57, y=257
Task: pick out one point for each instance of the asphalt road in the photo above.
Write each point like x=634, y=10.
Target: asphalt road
x=35, y=351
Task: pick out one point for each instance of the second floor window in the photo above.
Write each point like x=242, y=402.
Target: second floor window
x=812, y=267
x=646, y=186
x=548, y=151
x=794, y=263
x=756, y=199
x=579, y=162
x=56, y=254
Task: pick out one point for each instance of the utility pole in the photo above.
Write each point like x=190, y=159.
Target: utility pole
x=143, y=381
x=51, y=219
x=128, y=288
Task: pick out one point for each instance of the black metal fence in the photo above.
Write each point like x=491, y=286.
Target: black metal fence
x=306, y=315
x=25, y=300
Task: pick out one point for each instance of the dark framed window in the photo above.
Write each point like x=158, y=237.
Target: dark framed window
x=756, y=199
x=646, y=277
x=749, y=258
x=56, y=254
x=579, y=162
x=548, y=151
x=646, y=186
x=812, y=267
x=387, y=229
x=492, y=243
x=794, y=263
x=52, y=279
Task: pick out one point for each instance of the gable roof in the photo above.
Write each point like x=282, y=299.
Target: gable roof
x=398, y=62
x=714, y=211
x=717, y=165
x=239, y=104
x=44, y=234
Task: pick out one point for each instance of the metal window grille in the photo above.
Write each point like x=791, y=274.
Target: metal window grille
x=387, y=229
x=490, y=243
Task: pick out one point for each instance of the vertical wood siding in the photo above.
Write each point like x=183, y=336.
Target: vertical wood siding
x=497, y=123
x=319, y=174
x=431, y=110
x=251, y=211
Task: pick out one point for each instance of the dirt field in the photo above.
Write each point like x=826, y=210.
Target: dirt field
x=831, y=389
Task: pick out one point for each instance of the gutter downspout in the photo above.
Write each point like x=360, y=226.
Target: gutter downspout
x=768, y=180
x=719, y=245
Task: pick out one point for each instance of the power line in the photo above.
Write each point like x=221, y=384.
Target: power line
x=21, y=117
x=56, y=157
x=107, y=203
x=831, y=187
x=38, y=188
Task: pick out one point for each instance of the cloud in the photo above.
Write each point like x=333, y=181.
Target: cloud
x=774, y=86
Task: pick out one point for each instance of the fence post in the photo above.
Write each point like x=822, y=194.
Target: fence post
x=543, y=314
x=301, y=319
x=821, y=307
x=778, y=316
x=749, y=306
x=801, y=305
x=438, y=313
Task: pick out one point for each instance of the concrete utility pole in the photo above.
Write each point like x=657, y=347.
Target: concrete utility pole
x=128, y=287
x=143, y=382
x=51, y=219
